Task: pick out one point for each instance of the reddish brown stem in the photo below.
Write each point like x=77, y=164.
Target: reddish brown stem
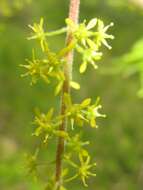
x=73, y=15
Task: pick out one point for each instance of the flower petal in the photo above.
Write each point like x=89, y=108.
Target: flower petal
x=92, y=23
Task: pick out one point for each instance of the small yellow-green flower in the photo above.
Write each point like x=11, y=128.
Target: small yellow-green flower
x=38, y=33
x=93, y=113
x=77, y=146
x=83, y=170
x=74, y=111
x=82, y=31
x=31, y=163
x=102, y=35
x=45, y=69
x=47, y=125
x=85, y=112
x=89, y=56
x=33, y=68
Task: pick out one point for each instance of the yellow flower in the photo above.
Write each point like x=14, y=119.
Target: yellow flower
x=90, y=55
x=82, y=32
x=93, y=113
x=83, y=171
x=102, y=35
x=39, y=33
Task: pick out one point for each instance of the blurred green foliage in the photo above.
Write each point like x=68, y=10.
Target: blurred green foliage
x=8, y=8
x=130, y=64
x=117, y=144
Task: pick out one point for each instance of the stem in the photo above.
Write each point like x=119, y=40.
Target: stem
x=73, y=15
x=56, y=32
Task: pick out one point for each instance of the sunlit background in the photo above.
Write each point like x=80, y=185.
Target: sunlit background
x=117, y=145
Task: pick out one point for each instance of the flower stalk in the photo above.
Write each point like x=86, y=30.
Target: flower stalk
x=87, y=39
x=73, y=15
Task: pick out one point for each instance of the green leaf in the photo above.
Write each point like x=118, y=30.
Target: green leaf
x=74, y=85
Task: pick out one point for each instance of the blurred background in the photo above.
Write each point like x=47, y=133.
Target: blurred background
x=117, y=145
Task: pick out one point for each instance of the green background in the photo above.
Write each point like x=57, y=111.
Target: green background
x=117, y=145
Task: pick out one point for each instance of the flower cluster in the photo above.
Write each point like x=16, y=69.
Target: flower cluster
x=45, y=69
x=83, y=112
x=86, y=40
x=47, y=125
x=78, y=114
x=90, y=40
x=47, y=128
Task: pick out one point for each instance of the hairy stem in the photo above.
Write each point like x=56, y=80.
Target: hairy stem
x=73, y=15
